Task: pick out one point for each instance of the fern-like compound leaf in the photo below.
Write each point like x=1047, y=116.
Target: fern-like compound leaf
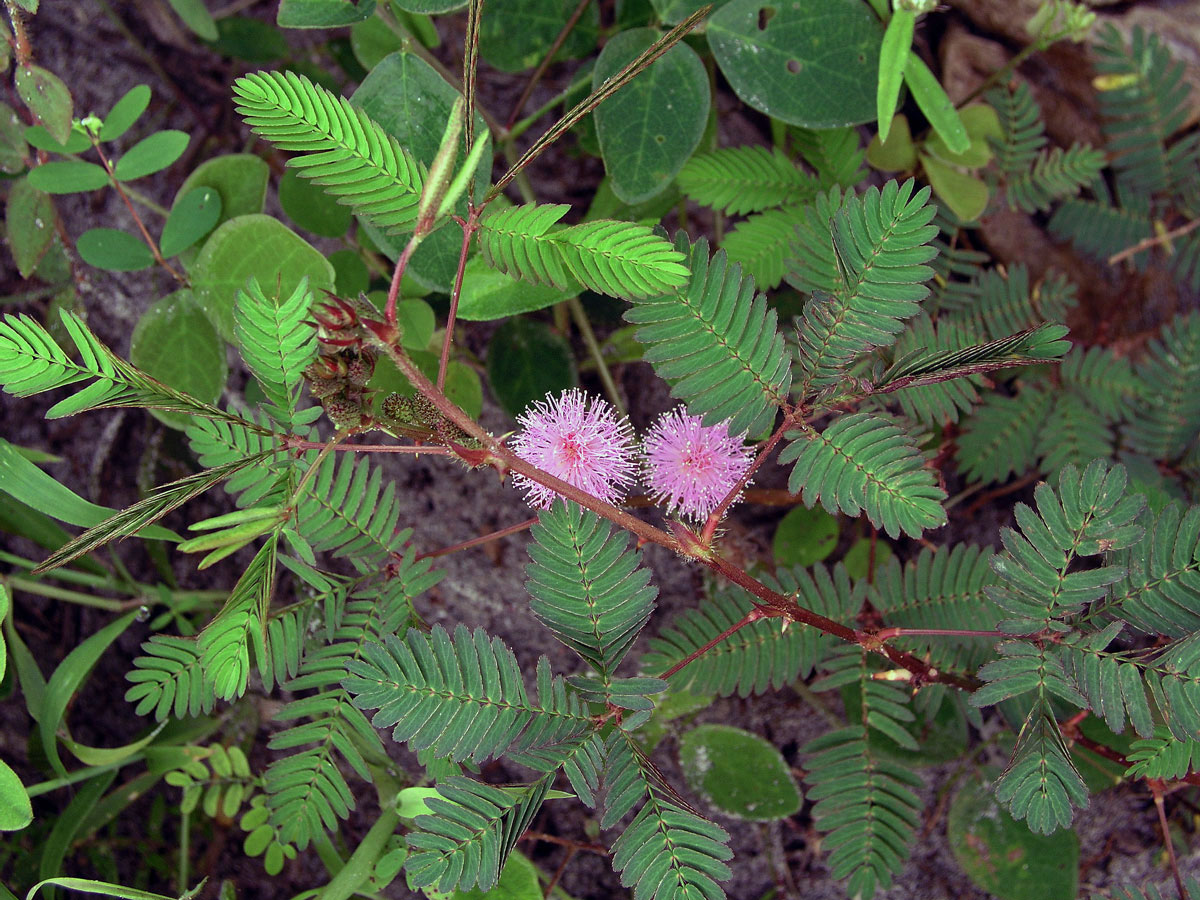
x=1003, y=302
x=1150, y=892
x=1168, y=419
x=276, y=343
x=863, y=462
x=667, y=850
x=161, y=501
x=32, y=362
x=225, y=643
x=1089, y=515
x=1101, y=229
x=931, y=379
x=760, y=656
x=835, y=154
x=1072, y=436
x=469, y=833
x=1041, y=784
x=715, y=343
x=1163, y=756
x=1105, y=381
x=1023, y=668
x=169, y=679
x=940, y=589
x=345, y=151
x=1161, y=593
x=863, y=801
x=999, y=438
x=739, y=180
x=1054, y=175
x=1146, y=105
x=621, y=259
x=587, y=587
x=1022, y=134
x=865, y=260
x=761, y=245
x=464, y=698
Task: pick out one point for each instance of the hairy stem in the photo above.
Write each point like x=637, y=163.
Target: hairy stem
x=482, y=539
x=563, y=34
x=750, y=618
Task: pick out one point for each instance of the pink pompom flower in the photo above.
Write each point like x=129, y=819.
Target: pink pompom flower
x=691, y=467
x=587, y=445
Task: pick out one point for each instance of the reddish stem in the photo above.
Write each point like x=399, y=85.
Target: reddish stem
x=482, y=539
x=389, y=311
x=1156, y=788
x=468, y=228
x=887, y=634
x=751, y=617
x=112, y=177
x=710, y=527
x=293, y=443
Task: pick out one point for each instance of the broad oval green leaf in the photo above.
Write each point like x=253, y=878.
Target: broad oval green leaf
x=253, y=246
x=150, y=155
x=309, y=206
x=525, y=361
x=174, y=342
x=114, y=250
x=125, y=112
x=251, y=40
x=430, y=7
x=68, y=176
x=738, y=773
x=16, y=812
x=412, y=102
x=966, y=195
x=672, y=12
x=47, y=98
x=808, y=62
x=38, y=136
x=372, y=41
x=517, y=34
x=12, y=140
x=240, y=179
x=194, y=216
x=322, y=13
x=29, y=221
x=195, y=15
x=804, y=536
x=518, y=881
x=650, y=127
x=488, y=294
x=351, y=276
x=1003, y=856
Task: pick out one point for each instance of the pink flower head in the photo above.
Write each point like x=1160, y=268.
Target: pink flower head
x=691, y=467
x=586, y=445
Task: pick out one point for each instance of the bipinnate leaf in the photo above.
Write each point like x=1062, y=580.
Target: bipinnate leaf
x=276, y=342
x=742, y=180
x=865, y=463
x=715, y=342
x=344, y=150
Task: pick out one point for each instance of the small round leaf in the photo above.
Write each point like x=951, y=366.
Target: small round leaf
x=1003, y=856
x=16, y=812
x=47, y=98
x=117, y=251
x=39, y=137
x=966, y=195
x=805, y=536
x=738, y=773
x=190, y=219
x=150, y=155
x=175, y=343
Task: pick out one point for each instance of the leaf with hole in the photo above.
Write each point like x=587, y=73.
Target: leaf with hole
x=253, y=246
x=114, y=250
x=174, y=342
x=738, y=773
x=525, y=361
x=804, y=536
x=650, y=127
x=813, y=63
x=193, y=217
